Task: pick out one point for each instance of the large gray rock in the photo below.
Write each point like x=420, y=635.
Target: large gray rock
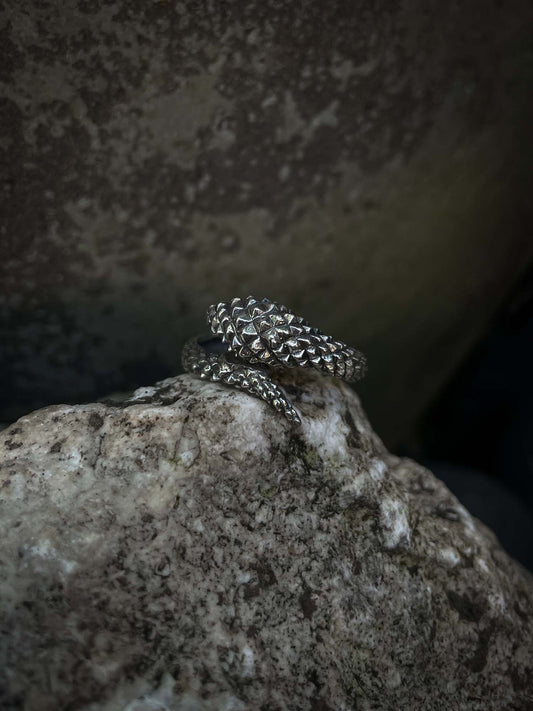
x=366, y=163
x=191, y=551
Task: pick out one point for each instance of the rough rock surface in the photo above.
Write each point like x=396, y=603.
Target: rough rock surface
x=191, y=551
x=366, y=163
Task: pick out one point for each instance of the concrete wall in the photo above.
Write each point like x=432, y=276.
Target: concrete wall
x=365, y=163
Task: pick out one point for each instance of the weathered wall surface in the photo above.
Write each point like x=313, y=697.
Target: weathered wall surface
x=366, y=163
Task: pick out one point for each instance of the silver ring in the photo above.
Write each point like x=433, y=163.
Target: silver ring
x=253, y=336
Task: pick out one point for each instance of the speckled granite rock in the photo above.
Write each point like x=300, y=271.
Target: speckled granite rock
x=191, y=551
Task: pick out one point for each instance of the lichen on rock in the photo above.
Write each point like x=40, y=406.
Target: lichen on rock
x=187, y=549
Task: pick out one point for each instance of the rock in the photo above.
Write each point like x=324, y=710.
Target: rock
x=368, y=165
x=488, y=499
x=188, y=550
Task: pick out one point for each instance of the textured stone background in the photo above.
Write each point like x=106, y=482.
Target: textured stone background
x=366, y=163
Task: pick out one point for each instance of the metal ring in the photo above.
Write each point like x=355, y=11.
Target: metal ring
x=252, y=336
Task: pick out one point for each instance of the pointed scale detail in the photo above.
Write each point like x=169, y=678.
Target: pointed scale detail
x=260, y=334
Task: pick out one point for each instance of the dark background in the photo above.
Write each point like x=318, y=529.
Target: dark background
x=478, y=433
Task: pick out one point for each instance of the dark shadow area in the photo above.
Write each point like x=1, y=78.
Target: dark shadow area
x=478, y=435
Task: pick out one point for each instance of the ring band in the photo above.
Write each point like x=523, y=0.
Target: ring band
x=253, y=335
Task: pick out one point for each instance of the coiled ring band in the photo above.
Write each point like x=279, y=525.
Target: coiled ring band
x=252, y=336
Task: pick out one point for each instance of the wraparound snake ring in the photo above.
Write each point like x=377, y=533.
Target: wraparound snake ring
x=252, y=336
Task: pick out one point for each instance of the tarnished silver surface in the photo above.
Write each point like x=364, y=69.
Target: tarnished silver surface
x=255, y=335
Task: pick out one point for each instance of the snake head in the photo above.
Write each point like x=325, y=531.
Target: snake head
x=256, y=330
